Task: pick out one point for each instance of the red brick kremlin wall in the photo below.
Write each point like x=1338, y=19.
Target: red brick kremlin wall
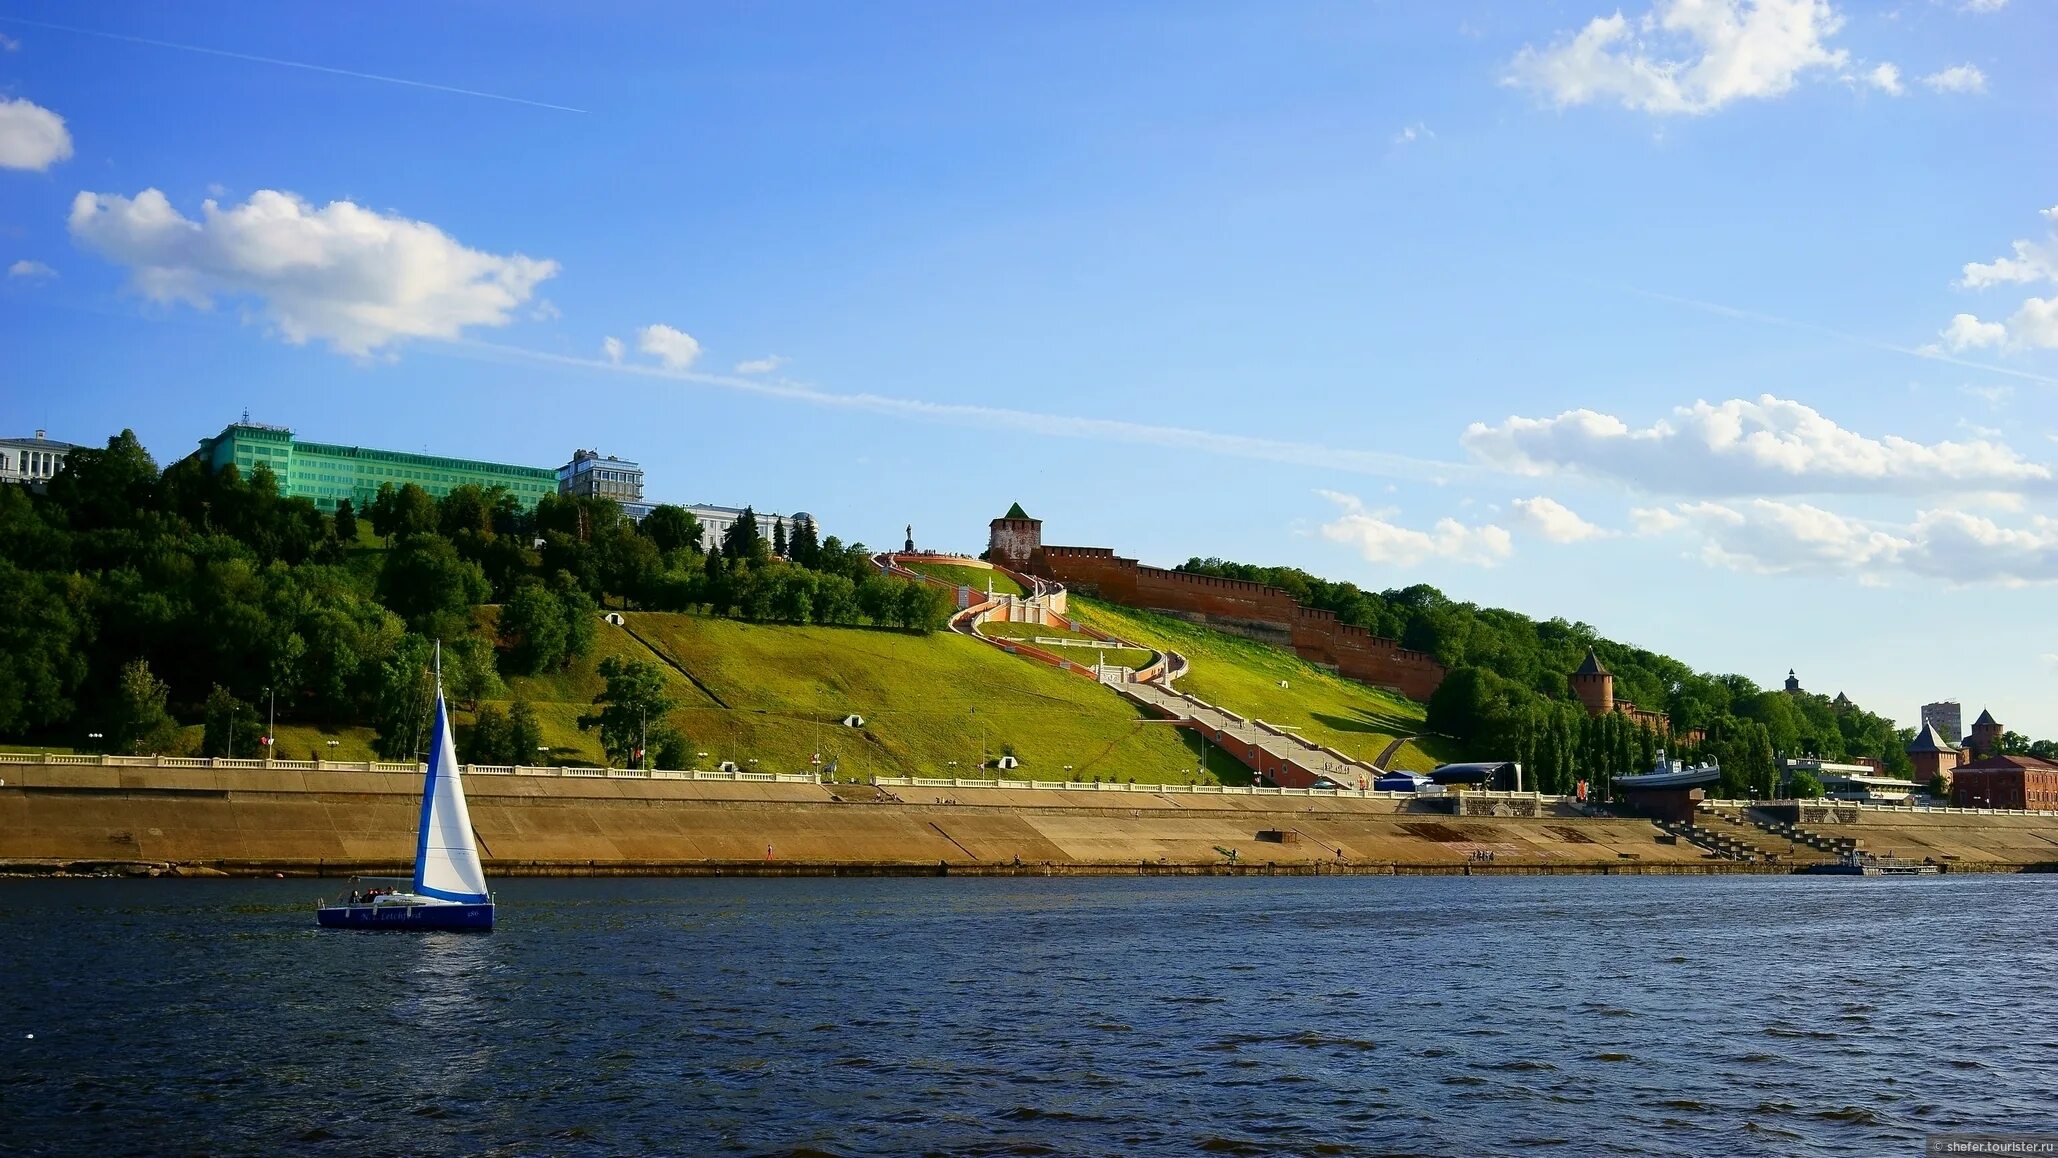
x=1252, y=609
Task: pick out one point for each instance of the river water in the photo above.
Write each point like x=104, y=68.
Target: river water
x=1350, y=1015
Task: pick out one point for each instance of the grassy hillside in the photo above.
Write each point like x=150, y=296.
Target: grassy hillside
x=974, y=577
x=926, y=701
x=1243, y=676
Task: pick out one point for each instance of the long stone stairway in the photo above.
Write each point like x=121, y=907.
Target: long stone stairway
x=1769, y=837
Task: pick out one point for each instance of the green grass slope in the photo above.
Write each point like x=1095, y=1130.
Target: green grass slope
x=974, y=577
x=1243, y=676
x=926, y=700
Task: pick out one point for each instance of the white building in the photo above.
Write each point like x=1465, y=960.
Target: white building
x=716, y=521
x=32, y=461
x=1853, y=781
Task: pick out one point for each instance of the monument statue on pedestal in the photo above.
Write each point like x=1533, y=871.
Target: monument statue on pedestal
x=910, y=547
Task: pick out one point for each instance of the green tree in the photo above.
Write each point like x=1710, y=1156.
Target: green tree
x=137, y=721
x=468, y=672
x=231, y=726
x=46, y=627
x=1803, y=785
x=402, y=703
x=346, y=521
x=426, y=583
x=674, y=752
x=414, y=511
x=633, y=707
x=742, y=539
x=524, y=735
x=582, y=618
x=532, y=626
x=672, y=528
x=779, y=538
x=488, y=741
x=805, y=546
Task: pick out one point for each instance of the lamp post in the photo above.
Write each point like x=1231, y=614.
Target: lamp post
x=271, y=727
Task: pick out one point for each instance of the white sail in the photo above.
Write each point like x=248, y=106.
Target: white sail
x=446, y=861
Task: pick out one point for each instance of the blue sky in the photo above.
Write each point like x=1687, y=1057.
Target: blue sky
x=1692, y=321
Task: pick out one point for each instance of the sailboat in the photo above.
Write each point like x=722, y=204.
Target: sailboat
x=448, y=889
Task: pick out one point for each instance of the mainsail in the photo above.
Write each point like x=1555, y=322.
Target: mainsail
x=446, y=861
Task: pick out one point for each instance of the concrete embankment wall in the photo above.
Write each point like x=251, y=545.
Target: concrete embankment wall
x=339, y=822
x=1966, y=840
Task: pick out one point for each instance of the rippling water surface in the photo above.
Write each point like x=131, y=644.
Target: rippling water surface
x=1440, y=1015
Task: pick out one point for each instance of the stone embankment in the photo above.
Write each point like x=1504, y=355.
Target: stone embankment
x=91, y=818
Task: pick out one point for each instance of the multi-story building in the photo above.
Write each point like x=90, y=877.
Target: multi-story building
x=32, y=461
x=716, y=521
x=592, y=476
x=328, y=473
x=1948, y=718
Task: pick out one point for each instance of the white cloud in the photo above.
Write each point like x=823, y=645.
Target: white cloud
x=353, y=277
x=31, y=136
x=27, y=268
x=675, y=348
x=1958, y=547
x=9, y=43
x=1654, y=520
x=1415, y=132
x=1969, y=333
x=545, y=311
x=1773, y=538
x=612, y=349
x=1991, y=395
x=1886, y=78
x=1960, y=78
x=1384, y=542
x=1982, y=5
x=2034, y=323
x=764, y=365
x=1685, y=56
x=1550, y=519
x=1740, y=447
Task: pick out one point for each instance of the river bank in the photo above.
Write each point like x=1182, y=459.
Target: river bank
x=57, y=820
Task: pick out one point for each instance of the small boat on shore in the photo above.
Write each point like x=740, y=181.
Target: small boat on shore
x=448, y=889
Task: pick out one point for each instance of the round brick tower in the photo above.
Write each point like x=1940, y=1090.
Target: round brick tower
x=1594, y=686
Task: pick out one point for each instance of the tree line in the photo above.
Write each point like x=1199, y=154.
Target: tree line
x=1508, y=689
x=132, y=598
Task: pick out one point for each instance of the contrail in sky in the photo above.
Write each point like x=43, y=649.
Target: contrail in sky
x=1925, y=353
x=1244, y=446
x=301, y=64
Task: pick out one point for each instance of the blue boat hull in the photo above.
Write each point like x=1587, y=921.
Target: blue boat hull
x=407, y=918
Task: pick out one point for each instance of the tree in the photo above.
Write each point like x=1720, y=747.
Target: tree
x=672, y=528
x=633, y=707
x=414, y=511
x=137, y=721
x=779, y=538
x=46, y=625
x=803, y=546
x=231, y=726
x=468, y=673
x=532, y=627
x=524, y=735
x=346, y=521
x=1803, y=785
x=426, y=583
x=674, y=752
x=488, y=740
x=742, y=540
x=401, y=700
x=582, y=618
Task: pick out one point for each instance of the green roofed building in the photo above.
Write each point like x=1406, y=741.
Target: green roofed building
x=328, y=473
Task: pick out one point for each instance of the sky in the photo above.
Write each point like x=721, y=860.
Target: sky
x=1728, y=327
